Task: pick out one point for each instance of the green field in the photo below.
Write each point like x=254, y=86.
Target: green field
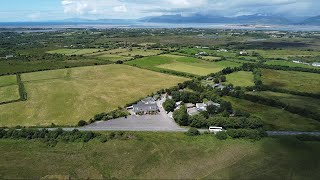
x=193, y=51
x=274, y=118
x=289, y=64
x=309, y=103
x=64, y=97
x=241, y=78
x=8, y=80
x=162, y=156
x=285, y=54
x=292, y=80
x=70, y=52
x=9, y=93
x=182, y=64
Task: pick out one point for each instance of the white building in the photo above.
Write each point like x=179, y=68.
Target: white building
x=316, y=64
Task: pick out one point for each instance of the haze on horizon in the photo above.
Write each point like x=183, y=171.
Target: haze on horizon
x=44, y=10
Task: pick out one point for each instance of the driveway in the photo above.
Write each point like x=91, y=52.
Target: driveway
x=159, y=122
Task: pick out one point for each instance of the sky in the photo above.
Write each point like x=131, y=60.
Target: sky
x=43, y=10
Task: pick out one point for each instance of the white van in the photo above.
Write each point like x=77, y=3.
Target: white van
x=215, y=129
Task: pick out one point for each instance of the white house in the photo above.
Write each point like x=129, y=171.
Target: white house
x=243, y=53
x=201, y=107
x=316, y=64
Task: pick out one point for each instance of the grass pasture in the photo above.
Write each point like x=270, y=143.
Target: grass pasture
x=162, y=156
x=9, y=93
x=64, y=97
x=292, y=80
x=182, y=64
x=310, y=103
x=289, y=64
x=8, y=88
x=274, y=118
x=8, y=80
x=241, y=78
x=70, y=52
x=285, y=54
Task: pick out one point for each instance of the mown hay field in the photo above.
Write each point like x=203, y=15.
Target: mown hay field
x=65, y=96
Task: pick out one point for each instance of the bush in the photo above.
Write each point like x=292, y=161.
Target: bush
x=82, y=123
x=193, y=132
x=245, y=133
x=169, y=105
x=222, y=135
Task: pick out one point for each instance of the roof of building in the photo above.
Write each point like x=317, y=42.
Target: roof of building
x=148, y=100
x=192, y=111
x=140, y=106
x=190, y=105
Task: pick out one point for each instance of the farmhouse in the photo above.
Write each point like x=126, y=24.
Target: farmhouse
x=218, y=86
x=316, y=64
x=222, y=50
x=146, y=106
x=243, y=53
x=9, y=56
x=201, y=106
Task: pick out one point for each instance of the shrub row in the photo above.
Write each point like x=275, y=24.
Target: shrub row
x=52, y=137
x=246, y=133
x=111, y=115
x=22, y=90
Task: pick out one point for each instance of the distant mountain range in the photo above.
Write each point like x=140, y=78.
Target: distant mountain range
x=198, y=18
x=248, y=19
x=312, y=21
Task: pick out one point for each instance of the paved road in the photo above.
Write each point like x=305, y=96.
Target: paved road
x=291, y=133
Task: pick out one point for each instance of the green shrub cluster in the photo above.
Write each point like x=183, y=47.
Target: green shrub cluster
x=54, y=136
x=246, y=133
x=120, y=112
x=193, y=132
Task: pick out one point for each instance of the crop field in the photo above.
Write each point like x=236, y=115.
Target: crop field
x=310, y=103
x=274, y=118
x=285, y=54
x=64, y=97
x=70, y=52
x=292, y=80
x=164, y=156
x=241, y=78
x=290, y=64
x=182, y=64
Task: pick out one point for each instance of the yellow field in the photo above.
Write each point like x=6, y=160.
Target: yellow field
x=64, y=97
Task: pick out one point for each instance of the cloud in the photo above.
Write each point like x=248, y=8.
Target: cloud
x=140, y=8
x=121, y=9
